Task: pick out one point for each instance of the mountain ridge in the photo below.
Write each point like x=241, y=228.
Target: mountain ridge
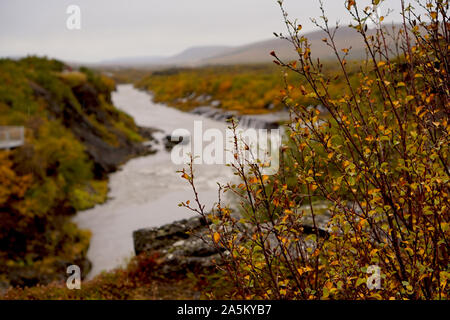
x=255, y=52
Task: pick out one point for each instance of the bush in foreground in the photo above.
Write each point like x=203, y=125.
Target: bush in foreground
x=380, y=163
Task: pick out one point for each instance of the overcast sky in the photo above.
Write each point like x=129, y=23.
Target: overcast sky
x=128, y=28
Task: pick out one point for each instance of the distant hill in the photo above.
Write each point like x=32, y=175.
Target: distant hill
x=133, y=61
x=196, y=55
x=258, y=52
x=190, y=56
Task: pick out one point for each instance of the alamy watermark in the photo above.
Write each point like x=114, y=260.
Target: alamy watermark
x=74, y=280
x=73, y=22
x=374, y=281
x=213, y=146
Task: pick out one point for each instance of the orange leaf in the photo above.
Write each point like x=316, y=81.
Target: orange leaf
x=185, y=176
x=350, y=3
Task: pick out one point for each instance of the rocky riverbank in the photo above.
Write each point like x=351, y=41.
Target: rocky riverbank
x=185, y=245
x=181, y=244
x=74, y=137
x=96, y=126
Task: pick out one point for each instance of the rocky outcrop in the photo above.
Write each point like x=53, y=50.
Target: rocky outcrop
x=93, y=125
x=182, y=245
x=110, y=137
x=185, y=246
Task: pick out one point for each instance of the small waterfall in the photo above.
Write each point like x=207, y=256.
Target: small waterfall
x=261, y=121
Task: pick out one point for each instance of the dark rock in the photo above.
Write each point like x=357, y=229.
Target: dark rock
x=182, y=244
x=149, y=239
x=89, y=100
x=148, y=133
x=170, y=142
x=185, y=245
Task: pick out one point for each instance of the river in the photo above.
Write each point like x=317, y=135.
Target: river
x=146, y=191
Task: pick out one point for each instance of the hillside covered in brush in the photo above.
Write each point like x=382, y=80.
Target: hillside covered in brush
x=245, y=89
x=73, y=137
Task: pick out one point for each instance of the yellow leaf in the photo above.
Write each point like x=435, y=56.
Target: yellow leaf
x=418, y=109
x=409, y=98
x=185, y=176
x=216, y=237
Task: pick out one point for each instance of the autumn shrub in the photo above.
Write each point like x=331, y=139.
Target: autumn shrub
x=73, y=79
x=87, y=195
x=245, y=89
x=379, y=164
x=52, y=175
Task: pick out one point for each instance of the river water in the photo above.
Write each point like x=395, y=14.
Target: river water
x=145, y=192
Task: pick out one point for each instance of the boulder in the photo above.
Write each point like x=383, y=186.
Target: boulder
x=185, y=245
x=170, y=142
x=182, y=245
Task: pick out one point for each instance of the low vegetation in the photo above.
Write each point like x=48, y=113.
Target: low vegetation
x=141, y=279
x=53, y=174
x=251, y=89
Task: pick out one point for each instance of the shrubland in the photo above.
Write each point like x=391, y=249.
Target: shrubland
x=56, y=172
x=246, y=89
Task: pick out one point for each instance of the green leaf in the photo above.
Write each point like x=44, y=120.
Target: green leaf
x=360, y=281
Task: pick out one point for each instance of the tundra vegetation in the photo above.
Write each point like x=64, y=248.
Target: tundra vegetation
x=52, y=175
x=380, y=162
x=245, y=89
